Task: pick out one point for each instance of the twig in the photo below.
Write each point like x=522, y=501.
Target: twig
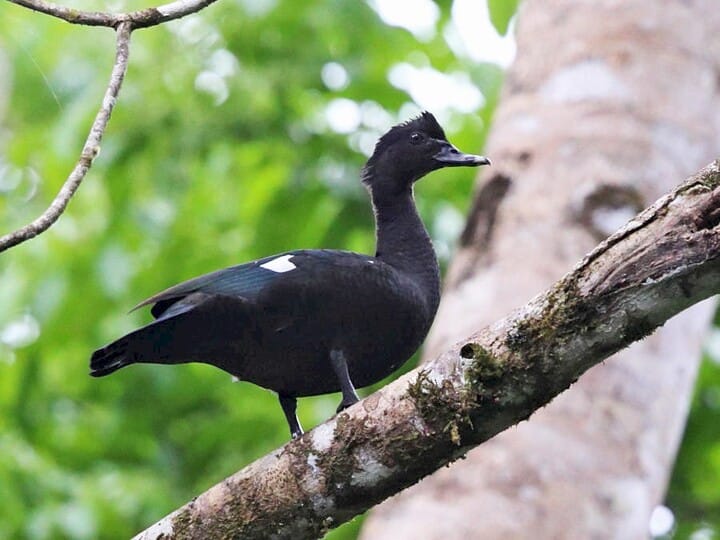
x=89, y=151
x=140, y=19
x=124, y=23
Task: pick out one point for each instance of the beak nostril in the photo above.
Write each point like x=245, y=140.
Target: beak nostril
x=448, y=155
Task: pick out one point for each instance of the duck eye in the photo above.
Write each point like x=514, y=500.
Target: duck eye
x=416, y=137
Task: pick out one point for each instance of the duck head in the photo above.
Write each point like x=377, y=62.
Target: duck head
x=409, y=151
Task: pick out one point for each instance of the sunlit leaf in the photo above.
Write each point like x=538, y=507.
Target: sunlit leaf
x=501, y=12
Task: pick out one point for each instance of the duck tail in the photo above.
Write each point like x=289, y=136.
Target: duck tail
x=110, y=358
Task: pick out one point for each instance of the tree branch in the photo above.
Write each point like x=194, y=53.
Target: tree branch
x=89, y=152
x=660, y=263
x=124, y=23
x=140, y=19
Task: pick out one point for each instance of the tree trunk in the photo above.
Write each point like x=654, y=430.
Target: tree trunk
x=608, y=103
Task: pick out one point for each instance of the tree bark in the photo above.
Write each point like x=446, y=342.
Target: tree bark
x=605, y=105
x=663, y=261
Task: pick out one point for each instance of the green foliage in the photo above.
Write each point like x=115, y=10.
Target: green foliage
x=501, y=11
x=219, y=151
x=694, y=495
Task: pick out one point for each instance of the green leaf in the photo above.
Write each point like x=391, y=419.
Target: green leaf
x=501, y=11
x=191, y=177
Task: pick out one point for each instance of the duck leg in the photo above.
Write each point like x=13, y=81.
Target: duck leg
x=289, y=406
x=339, y=365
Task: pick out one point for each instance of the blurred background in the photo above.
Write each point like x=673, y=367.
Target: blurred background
x=239, y=132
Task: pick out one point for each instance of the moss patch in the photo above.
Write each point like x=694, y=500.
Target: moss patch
x=442, y=406
x=566, y=314
x=710, y=177
x=486, y=368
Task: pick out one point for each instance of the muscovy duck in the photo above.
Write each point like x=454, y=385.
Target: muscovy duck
x=311, y=322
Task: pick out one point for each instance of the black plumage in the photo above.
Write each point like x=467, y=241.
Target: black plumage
x=311, y=322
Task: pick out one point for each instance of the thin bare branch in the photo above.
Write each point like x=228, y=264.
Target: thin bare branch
x=124, y=23
x=663, y=261
x=89, y=151
x=140, y=19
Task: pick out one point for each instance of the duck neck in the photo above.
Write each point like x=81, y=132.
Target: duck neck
x=404, y=243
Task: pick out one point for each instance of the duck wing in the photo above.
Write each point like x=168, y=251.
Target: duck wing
x=250, y=280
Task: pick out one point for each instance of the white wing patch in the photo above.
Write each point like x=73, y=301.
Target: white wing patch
x=280, y=264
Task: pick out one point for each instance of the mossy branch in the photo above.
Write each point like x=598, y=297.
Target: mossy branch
x=661, y=262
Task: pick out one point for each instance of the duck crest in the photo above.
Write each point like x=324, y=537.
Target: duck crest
x=425, y=122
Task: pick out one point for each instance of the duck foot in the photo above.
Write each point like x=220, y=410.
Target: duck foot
x=339, y=365
x=289, y=407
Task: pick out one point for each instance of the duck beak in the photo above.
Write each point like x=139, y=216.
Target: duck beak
x=449, y=156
